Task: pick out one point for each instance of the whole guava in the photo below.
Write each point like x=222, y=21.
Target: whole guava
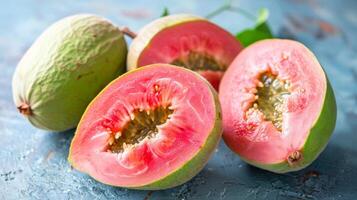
x=66, y=68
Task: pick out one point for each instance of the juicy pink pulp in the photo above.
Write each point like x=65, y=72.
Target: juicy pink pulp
x=198, y=36
x=251, y=136
x=178, y=140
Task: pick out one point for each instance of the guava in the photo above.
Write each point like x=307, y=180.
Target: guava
x=65, y=68
x=278, y=106
x=188, y=41
x=152, y=128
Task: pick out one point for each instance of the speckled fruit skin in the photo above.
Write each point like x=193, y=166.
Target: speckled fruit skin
x=66, y=68
x=319, y=133
x=189, y=169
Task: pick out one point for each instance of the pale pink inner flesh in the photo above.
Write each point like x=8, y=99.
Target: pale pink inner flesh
x=253, y=137
x=198, y=36
x=177, y=141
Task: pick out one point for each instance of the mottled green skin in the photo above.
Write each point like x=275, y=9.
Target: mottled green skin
x=317, y=139
x=66, y=68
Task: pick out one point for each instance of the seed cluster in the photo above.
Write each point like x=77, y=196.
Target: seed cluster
x=199, y=61
x=143, y=124
x=270, y=96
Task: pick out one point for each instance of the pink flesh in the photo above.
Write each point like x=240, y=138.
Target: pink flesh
x=252, y=137
x=199, y=36
x=177, y=141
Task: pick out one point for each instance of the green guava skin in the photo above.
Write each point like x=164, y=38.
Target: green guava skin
x=317, y=140
x=66, y=68
x=188, y=170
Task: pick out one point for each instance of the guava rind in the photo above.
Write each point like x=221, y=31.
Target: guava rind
x=65, y=69
x=189, y=169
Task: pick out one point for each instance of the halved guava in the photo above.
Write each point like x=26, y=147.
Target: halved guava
x=188, y=41
x=278, y=106
x=151, y=128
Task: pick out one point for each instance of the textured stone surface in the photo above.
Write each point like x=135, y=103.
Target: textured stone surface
x=33, y=163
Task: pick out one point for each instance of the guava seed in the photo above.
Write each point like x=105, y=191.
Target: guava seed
x=269, y=98
x=143, y=124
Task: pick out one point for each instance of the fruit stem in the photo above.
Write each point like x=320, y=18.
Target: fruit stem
x=25, y=109
x=128, y=32
x=294, y=158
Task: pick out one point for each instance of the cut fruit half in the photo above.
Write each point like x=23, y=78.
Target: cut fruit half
x=152, y=128
x=188, y=41
x=278, y=106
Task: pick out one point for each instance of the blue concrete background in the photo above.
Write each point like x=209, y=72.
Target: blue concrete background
x=33, y=163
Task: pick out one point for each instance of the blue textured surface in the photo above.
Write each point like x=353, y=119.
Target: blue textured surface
x=33, y=163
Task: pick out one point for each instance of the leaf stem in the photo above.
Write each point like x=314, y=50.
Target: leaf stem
x=243, y=12
x=218, y=11
x=128, y=32
x=227, y=6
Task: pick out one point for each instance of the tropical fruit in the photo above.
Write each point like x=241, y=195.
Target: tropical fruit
x=66, y=68
x=151, y=128
x=278, y=106
x=188, y=41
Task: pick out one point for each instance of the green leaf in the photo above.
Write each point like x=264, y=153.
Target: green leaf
x=250, y=36
x=260, y=31
x=264, y=27
x=165, y=12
